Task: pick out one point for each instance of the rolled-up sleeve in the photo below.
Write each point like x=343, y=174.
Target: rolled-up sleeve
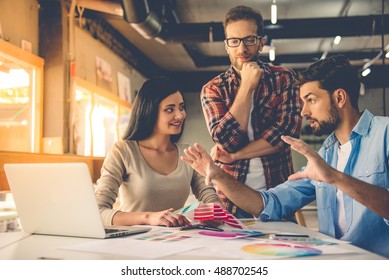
x=288, y=120
x=285, y=199
x=222, y=125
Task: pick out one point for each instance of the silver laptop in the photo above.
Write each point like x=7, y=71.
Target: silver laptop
x=59, y=199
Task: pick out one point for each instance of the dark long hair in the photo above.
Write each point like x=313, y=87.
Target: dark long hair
x=145, y=108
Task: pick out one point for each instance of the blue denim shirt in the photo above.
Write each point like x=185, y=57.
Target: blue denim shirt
x=368, y=162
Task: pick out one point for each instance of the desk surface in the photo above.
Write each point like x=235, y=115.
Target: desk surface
x=52, y=247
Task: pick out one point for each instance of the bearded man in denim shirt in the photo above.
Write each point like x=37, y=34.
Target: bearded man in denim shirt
x=350, y=181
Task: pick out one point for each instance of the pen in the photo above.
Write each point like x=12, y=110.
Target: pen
x=200, y=227
x=287, y=236
x=209, y=228
x=290, y=235
x=188, y=227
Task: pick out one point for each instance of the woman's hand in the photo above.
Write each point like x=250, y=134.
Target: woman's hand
x=165, y=218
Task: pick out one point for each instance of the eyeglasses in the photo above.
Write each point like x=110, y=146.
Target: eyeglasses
x=247, y=41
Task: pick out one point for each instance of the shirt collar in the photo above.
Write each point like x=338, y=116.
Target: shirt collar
x=364, y=122
x=361, y=128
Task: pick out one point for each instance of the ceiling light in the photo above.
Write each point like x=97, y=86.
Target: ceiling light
x=366, y=72
x=386, y=51
x=272, y=53
x=362, y=89
x=337, y=40
x=274, y=12
x=366, y=68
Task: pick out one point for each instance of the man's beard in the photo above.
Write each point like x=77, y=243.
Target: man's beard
x=327, y=126
x=239, y=66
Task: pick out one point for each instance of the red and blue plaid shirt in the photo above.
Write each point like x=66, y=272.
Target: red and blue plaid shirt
x=276, y=112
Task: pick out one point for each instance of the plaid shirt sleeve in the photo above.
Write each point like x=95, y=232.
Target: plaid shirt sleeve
x=222, y=125
x=288, y=120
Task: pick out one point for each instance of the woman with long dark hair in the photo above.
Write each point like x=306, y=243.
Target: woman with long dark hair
x=144, y=169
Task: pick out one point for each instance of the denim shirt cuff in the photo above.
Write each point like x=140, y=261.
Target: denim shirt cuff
x=263, y=216
x=386, y=220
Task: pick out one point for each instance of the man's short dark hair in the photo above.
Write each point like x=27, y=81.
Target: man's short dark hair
x=333, y=73
x=244, y=13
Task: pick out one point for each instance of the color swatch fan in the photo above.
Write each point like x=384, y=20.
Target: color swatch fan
x=211, y=211
x=187, y=211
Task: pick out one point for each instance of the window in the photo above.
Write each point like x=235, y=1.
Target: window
x=21, y=75
x=100, y=118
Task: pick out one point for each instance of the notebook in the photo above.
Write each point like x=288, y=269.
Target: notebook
x=59, y=199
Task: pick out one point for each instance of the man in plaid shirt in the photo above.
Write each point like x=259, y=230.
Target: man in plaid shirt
x=248, y=108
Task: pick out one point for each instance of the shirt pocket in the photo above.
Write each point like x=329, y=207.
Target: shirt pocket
x=373, y=172
x=322, y=195
x=324, y=210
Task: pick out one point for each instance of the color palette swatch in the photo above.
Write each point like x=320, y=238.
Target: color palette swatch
x=281, y=250
x=186, y=209
x=212, y=211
